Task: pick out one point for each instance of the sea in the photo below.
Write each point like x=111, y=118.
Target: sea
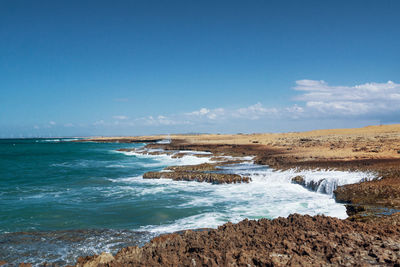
x=61, y=199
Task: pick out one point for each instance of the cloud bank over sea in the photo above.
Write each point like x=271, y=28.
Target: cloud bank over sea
x=315, y=102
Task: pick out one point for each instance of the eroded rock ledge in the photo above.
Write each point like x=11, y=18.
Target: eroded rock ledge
x=294, y=241
x=215, y=178
x=206, y=172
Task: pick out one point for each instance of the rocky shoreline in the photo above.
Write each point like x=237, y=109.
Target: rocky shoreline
x=206, y=172
x=383, y=192
x=370, y=236
x=294, y=241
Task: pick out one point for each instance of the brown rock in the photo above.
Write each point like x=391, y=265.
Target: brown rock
x=95, y=261
x=299, y=180
x=354, y=209
x=189, y=168
x=294, y=241
x=215, y=178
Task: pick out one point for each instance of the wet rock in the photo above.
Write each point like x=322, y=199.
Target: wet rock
x=215, y=178
x=189, y=168
x=354, y=209
x=299, y=180
x=2, y=262
x=312, y=185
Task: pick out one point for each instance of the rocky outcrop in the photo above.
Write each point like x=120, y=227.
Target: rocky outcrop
x=99, y=260
x=294, y=241
x=215, y=178
x=385, y=192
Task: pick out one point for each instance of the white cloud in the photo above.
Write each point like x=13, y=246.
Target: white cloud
x=69, y=125
x=201, y=112
x=254, y=112
x=317, y=101
x=343, y=107
x=212, y=114
x=349, y=100
x=295, y=111
x=161, y=120
x=120, y=117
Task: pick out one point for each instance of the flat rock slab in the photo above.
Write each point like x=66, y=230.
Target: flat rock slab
x=214, y=178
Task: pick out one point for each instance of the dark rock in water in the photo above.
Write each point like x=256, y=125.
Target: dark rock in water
x=215, y=178
x=354, y=209
x=371, y=213
x=294, y=241
x=299, y=180
x=313, y=186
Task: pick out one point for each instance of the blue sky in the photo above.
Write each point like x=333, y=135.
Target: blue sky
x=72, y=68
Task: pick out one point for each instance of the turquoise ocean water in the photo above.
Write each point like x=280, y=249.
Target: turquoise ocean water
x=62, y=199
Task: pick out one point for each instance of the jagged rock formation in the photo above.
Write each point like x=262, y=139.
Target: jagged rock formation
x=294, y=241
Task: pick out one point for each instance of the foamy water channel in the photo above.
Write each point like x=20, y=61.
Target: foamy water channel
x=270, y=194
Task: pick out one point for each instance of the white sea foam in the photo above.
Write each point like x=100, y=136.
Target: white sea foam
x=205, y=220
x=116, y=166
x=328, y=180
x=165, y=160
x=270, y=194
x=194, y=152
x=55, y=140
x=235, y=202
x=165, y=141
